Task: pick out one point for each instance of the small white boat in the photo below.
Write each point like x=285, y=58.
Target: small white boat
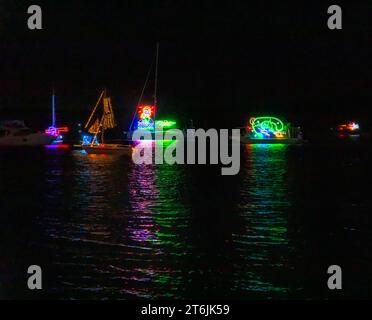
x=15, y=133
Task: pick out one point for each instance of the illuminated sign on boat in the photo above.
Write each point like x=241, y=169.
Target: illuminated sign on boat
x=145, y=117
x=266, y=127
x=55, y=132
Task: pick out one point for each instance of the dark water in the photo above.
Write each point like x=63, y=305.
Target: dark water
x=103, y=228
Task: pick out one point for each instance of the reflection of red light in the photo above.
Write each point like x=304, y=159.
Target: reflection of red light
x=57, y=146
x=101, y=155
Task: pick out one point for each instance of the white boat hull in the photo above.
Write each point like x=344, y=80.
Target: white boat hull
x=32, y=139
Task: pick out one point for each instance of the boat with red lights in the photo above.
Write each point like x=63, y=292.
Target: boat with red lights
x=348, y=130
x=144, y=117
x=56, y=132
x=270, y=130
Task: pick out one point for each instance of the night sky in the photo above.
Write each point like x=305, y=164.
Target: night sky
x=220, y=61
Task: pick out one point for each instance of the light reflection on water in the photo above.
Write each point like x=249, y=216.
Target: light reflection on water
x=125, y=232
x=104, y=228
x=264, y=202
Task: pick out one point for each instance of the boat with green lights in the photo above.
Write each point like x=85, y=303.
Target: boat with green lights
x=270, y=130
x=145, y=117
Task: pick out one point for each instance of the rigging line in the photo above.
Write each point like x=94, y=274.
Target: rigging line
x=156, y=81
x=94, y=110
x=99, y=128
x=142, y=93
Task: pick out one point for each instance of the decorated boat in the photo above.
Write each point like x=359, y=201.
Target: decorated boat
x=270, y=130
x=144, y=117
x=348, y=130
x=56, y=132
x=101, y=119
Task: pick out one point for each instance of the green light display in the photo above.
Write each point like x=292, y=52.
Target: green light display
x=165, y=123
x=267, y=127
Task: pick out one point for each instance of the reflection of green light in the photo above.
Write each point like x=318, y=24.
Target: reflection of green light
x=265, y=203
x=165, y=123
x=173, y=215
x=170, y=217
x=267, y=145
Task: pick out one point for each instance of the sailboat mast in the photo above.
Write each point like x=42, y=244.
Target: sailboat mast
x=53, y=110
x=156, y=80
x=103, y=118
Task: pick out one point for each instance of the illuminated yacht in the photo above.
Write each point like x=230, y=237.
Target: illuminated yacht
x=15, y=133
x=144, y=117
x=270, y=130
